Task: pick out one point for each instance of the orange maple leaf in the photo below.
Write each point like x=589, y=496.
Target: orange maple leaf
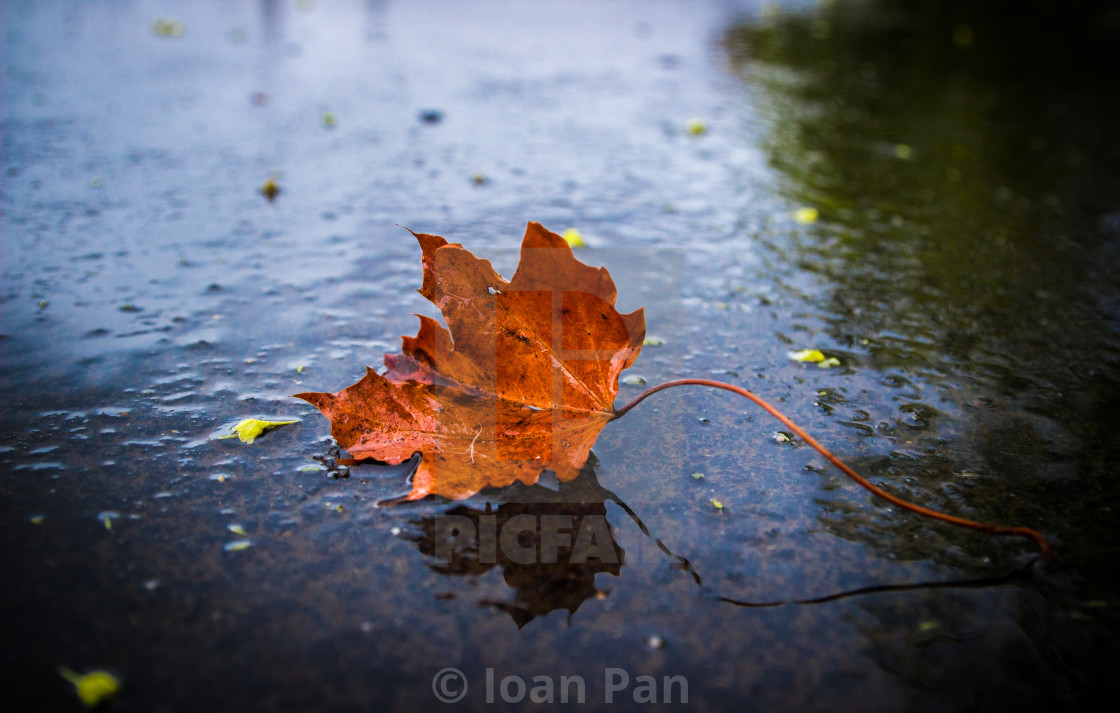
x=524, y=381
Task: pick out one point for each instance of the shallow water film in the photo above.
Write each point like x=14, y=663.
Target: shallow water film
x=200, y=218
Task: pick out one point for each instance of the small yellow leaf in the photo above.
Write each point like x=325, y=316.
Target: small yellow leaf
x=236, y=529
x=167, y=27
x=811, y=356
x=250, y=429
x=107, y=518
x=270, y=189
x=37, y=519
x=697, y=476
x=93, y=688
x=237, y=545
x=652, y=341
x=806, y=216
x=696, y=127
x=829, y=363
x=574, y=238
x=717, y=504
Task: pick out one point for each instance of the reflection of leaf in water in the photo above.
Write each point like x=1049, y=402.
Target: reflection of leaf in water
x=1013, y=576
x=564, y=541
x=548, y=574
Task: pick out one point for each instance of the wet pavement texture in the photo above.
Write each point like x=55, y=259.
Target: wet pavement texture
x=930, y=197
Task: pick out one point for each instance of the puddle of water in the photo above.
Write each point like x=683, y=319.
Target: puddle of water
x=958, y=268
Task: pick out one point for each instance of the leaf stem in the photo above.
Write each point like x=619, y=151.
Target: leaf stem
x=1044, y=551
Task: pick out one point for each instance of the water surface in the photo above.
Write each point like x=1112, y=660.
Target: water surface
x=961, y=269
